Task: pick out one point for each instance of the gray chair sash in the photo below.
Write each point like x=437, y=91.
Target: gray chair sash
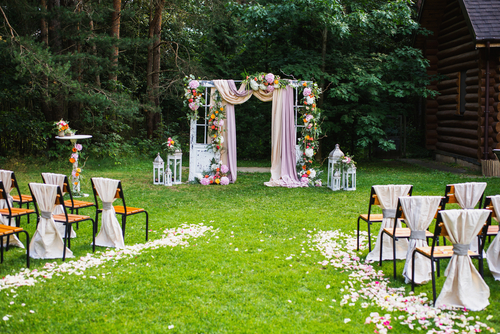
x=460, y=249
x=389, y=213
x=46, y=214
x=107, y=205
x=419, y=235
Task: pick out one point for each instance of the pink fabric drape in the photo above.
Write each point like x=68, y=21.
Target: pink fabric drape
x=288, y=139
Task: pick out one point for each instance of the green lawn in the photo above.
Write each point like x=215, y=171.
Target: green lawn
x=210, y=287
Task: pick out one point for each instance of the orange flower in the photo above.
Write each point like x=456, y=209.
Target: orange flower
x=221, y=108
x=74, y=149
x=72, y=160
x=304, y=167
x=217, y=169
x=304, y=84
x=305, y=102
x=308, y=172
x=77, y=174
x=217, y=111
x=314, y=105
x=212, y=116
x=276, y=82
x=75, y=183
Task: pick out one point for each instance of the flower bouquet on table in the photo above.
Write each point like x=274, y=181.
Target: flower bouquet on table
x=172, y=145
x=62, y=128
x=218, y=174
x=193, y=96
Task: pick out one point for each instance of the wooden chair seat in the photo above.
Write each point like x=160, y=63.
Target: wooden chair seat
x=72, y=218
x=77, y=204
x=6, y=229
x=404, y=232
x=16, y=212
x=440, y=252
x=492, y=230
x=24, y=198
x=374, y=217
x=121, y=210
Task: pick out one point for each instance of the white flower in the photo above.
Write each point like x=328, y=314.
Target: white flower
x=254, y=85
x=199, y=176
x=313, y=174
x=276, y=86
x=214, y=166
x=310, y=100
x=221, y=139
x=262, y=87
x=309, y=152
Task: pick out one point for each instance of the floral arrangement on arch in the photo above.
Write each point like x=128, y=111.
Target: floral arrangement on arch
x=172, y=144
x=218, y=175
x=311, y=132
x=193, y=96
x=216, y=117
x=266, y=82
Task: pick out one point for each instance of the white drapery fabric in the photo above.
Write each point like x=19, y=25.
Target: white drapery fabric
x=468, y=195
x=464, y=286
x=6, y=178
x=276, y=137
x=388, y=197
x=110, y=234
x=58, y=180
x=419, y=211
x=47, y=242
x=493, y=253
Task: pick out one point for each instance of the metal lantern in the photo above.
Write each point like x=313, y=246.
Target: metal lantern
x=158, y=170
x=174, y=164
x=349, y=179
x=168, y=177
x=333, y=172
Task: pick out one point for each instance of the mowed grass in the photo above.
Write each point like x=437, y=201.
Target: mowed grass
x=239, y=282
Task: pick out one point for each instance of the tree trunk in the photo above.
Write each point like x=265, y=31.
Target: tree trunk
x=153, y=68
x=115, y=32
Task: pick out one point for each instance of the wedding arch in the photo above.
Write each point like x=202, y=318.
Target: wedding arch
x=213, y=136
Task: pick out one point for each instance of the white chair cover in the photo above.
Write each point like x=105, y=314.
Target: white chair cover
x=493, y=253
x=419, y=212
x=6, y=178
x=464, y=286
x=110, y=234
x=58, y=180
x=46, y=243
x=388, y=197
x=468, y=195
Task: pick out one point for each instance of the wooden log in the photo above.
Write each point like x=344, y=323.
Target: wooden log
x=482, y=81
x=483, y=101
x=497, y=129
x=466, y=142
x=473, y=80
x=448, y=84
x=472, y=106
x=480, y=152
x=481, y=121
x=472, y=89
x=431, y=119
x=459, y=67
x=497, y=137
x=461, y=48
x=450, y=91
x=482, y=91
x=447, y=114
x=458, y=58
x=429, y=104
x=447, y=99
x=474, y=98
x=457, y=149
x=458, y=123
x=457, y=132
x=491, y=143
x=433, y=87
x=431, y=43
x=473, y=72
x=493, y=113
x=453, y=107
x=480, y=131
x=470, y=115
x=453, y=34
x=431, y=111
x=431, y=134
x=455, y=42
x=431, y=126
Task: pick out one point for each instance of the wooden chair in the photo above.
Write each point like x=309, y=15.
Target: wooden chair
x=492, y=229
x=20, y=198
x=10, y=212
x=396, y=233
x=449, y=193
x=72, y=204
x=371, y=218
x=122, y=210
x=67, y=219
x=436, y=252
x=5, y=232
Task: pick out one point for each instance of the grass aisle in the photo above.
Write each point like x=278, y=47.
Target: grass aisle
x=259, y=273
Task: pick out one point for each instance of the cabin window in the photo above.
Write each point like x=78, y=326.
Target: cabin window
x=462, y=92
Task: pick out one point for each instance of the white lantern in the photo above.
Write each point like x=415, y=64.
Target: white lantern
x=174, y=164
x=334, y=173
x=168, y=177
x=349, y=179
x=158, y=170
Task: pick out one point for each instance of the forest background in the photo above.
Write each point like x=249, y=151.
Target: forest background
x=114, y=69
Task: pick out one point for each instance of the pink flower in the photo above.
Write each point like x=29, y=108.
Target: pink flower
x=79, y=147
x=193, y=106
x=307, y=91
x=221, y=122
x=224, y=169
x=75, y=156
x=193, y=84
x=224, y=180
x=205, y=181
x=270, y=88
x=269, y=78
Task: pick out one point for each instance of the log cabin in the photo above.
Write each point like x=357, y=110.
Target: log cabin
x=463, y=121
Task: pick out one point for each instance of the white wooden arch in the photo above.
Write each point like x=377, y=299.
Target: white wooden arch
x=200, y=156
